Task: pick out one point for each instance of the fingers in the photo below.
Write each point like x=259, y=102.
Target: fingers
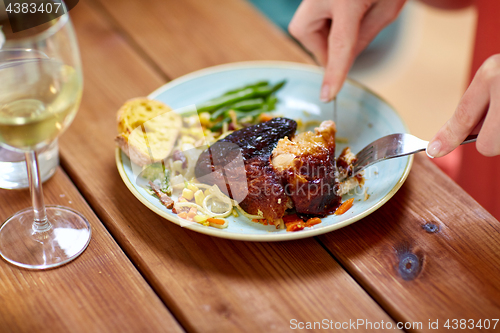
x=488, y=141
x=482, y=97
x=469, y=112
x=355, y=25
x=336, y=31
x=377, y=18
x=316, y=42
x=342, y=42
x=310, y=26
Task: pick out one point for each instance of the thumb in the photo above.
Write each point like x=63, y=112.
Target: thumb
x=467, y=117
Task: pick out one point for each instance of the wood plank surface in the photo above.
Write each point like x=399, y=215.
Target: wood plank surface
x=431, y=253
x=92, y=293
x=209, y=284
x=184, y=36
x=454, y=277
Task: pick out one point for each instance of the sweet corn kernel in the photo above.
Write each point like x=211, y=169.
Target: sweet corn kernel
x=192, y=187
x=199, y=197
x=200, y=218
x=188, y=194
x=205, y=119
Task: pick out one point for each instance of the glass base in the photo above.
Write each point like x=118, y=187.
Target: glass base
x=66, y=239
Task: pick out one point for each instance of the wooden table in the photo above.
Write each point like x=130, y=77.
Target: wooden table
x=430, y=254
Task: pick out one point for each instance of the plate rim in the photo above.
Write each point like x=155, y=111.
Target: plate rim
x=260, y=237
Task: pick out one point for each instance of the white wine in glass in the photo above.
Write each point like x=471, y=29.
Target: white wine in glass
x=40, y=92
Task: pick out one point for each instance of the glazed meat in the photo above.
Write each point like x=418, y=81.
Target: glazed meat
x=345, y=163
x=240, y=165
x=306, y=165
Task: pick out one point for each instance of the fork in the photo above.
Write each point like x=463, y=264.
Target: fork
x=391, y=146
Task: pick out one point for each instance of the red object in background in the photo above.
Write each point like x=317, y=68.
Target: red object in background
x=479, y=175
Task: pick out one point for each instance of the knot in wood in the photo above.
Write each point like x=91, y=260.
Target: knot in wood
x=430, y=227
x=409, y=266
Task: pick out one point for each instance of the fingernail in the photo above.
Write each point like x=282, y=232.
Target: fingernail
x=433, y=149
x=325, y=93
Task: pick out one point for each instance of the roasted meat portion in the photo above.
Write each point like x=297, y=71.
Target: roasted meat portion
x=240, y=165
x=345, y=163
x=306, y=165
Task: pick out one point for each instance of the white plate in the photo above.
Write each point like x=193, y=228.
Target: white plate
x=362, y=118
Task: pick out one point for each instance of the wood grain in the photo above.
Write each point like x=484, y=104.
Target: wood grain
x=209, y=284
x=92, y=293
x=431, y=253
x=183, y=36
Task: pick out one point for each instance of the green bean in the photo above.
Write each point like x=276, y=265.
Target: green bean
x=278, y=86
x=266, y=91
x=263, y=91
x=270, y=103
x=253, y=85
x=224, y=100
x=254, y=98
x=245, y=105
x=240, y=95
x=220, y=112
x=248, y=104
x=252, y=114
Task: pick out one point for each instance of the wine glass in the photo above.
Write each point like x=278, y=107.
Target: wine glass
x=40, y=92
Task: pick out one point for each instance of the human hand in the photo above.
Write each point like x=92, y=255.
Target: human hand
x=336, y=31
x=479, y=109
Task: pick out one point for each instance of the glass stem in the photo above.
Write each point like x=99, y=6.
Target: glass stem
x=40, y=223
